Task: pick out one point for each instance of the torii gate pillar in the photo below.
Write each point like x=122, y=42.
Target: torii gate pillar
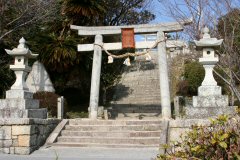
x=163, y=73
x=95, y=81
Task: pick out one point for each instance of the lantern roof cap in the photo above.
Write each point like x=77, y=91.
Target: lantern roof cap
x=207, y=41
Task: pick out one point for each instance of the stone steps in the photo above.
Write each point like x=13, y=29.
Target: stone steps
x=104, y=145
x=112, y=122
x=143, y=99
x=142, y=86
x=145, y=116
x=113, y=127
x=137, y=94
x=113, y=133
x=138, y=102
x=145, y=82
x=139, y=86
x=115, y=140
x=99, y=134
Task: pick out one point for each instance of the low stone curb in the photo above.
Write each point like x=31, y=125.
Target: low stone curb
x=53, y=136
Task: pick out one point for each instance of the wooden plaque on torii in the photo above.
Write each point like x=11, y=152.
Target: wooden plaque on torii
x=128, y=40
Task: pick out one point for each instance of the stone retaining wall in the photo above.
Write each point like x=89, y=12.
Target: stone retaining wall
x=23, y=136
x=178, y=127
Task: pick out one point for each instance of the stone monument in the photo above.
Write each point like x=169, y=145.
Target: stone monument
x=210, y=101
x=19, y=102
x=38, y=79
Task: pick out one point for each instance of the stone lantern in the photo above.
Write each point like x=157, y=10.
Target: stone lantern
x=19, y=102
x=210, y=101
x=21, y=55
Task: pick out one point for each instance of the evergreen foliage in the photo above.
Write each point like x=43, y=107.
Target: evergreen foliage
x=220, y=140
x=193, y=77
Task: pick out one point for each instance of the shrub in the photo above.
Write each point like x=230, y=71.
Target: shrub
x=72, y=115
x=48, y=100
x=219, y=141
x=193, y=77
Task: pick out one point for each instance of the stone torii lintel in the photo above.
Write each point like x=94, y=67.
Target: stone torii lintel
x=138, y=29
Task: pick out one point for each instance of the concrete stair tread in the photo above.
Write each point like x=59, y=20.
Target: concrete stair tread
x=114, y=122
x=116, y=131
x=112, y=133
x=119, y=102
x=103, y=145
x=118, y=125
x=110, y=138
x=114, y=127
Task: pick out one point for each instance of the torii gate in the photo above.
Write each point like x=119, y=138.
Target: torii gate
x=100, y=31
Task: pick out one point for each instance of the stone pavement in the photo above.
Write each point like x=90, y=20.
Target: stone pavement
x=61, y=153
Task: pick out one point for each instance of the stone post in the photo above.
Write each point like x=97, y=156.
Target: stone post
x=95, y=82
x=60, y=107
x=163, y=73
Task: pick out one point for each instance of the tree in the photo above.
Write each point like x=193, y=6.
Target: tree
x=16, y=14
x=86, y=9
x=228, y=29
x=19, y=18
x=126, y=12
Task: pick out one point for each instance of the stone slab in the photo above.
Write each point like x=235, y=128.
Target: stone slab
x=27, y=121
x=36, y=113
x=23, y=113
x=206, y=112
x=210, y=101
x=209, y=91
x=19, y=103
x=19, y=94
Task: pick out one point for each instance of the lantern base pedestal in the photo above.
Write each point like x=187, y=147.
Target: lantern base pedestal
x=210, y=101
x=20, y=104
x=15, y=112
x=206, y=112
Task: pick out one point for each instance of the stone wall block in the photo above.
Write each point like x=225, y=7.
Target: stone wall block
x=12, y=150
x=40, y=140
x=5, y=150
x=23, y=136
x=24, y=150
x=5, y=143
x=15, y=142
x=14, y=137
x=41, y=129
x=5, y=132
x=27, y=140
x=23, y=130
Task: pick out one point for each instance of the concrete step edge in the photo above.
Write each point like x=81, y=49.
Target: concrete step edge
x=103, y=145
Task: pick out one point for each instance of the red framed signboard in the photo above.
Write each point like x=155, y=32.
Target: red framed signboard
x=128, y=40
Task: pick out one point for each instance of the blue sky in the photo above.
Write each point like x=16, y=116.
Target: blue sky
x=157, y=8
